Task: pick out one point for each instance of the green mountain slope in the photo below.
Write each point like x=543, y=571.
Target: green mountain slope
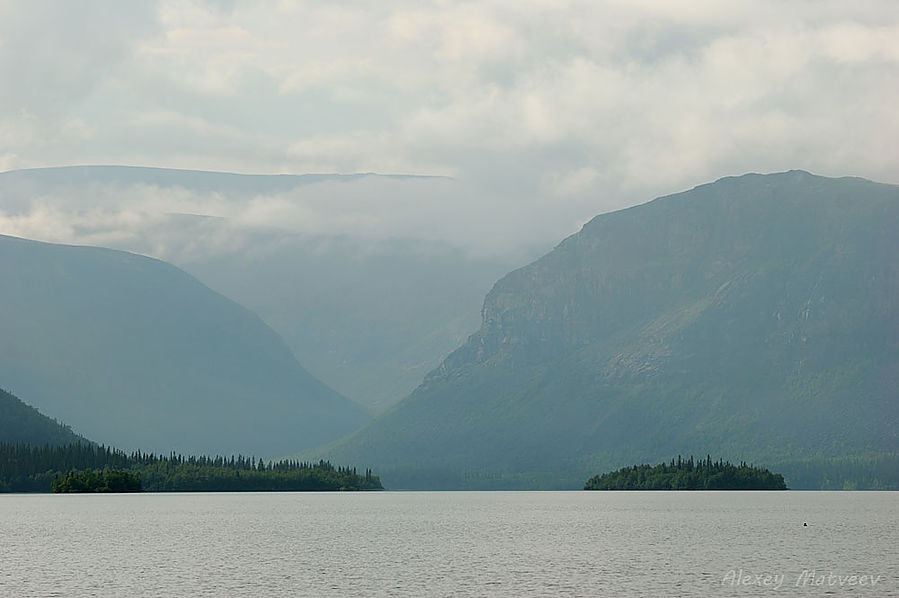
x=136, y=353
x=369, y=316
x=756, y=318
x=22, y=423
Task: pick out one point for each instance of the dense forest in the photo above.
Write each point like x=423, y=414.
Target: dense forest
x=688, y=475
x=26, y=468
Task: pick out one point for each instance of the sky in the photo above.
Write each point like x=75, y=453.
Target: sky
x=544, y=113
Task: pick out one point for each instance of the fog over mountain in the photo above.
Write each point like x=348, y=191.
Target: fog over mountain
x=756, y=317
x=554, y=113
x=368, y=313
x=413, y=245
x=144, y=208
x=133, y=352
x=455, y=142
x=524, y=124
x=370, y=318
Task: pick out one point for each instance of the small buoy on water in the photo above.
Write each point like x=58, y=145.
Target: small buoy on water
x=804, y=524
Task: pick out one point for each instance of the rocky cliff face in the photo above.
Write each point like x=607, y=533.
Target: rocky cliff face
x=755, y=259
x=755, y=317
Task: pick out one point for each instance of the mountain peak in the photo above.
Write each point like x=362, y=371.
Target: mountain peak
x=754, y=317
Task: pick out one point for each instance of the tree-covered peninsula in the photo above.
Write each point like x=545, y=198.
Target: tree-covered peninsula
x=688, y=474
x=82, y=467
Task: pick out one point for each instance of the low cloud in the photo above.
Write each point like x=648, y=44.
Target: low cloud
x=169, y=221
x=544, y=114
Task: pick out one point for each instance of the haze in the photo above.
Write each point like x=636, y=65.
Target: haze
x=544, y=114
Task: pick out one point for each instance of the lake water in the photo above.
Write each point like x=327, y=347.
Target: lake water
x=451, y=544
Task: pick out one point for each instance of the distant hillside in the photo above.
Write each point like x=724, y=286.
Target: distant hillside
x=22, y=423
x=72, y=177
x=135, y=353
x=756, y=318
x=370, y=317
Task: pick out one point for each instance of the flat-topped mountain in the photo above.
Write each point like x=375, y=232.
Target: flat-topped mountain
x=199, y=180
x=136, y=353
x=756, y=317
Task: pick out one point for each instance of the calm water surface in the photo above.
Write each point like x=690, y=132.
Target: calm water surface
x=451, y=544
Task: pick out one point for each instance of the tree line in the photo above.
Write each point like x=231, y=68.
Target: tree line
x=28, y=468
x=689, y=474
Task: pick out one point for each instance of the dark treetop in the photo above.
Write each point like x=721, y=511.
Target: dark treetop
x=688, y=475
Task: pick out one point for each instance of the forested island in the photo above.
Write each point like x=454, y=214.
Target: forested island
x=108, y=480
x=688, y=474
x=82, y=467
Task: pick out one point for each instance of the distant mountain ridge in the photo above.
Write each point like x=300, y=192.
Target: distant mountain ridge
x=136, y=353
x=756, y=317
x=195, y=179
x=369, y=316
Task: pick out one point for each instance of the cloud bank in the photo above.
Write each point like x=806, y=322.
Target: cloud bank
x=545, y=112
